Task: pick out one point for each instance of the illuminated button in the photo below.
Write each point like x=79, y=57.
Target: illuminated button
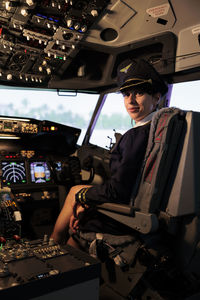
x=9, y=77
x=69, y=22
x=53, y=272
x=24, y=12
x=94, y=13
x=7, y=5
x=77, y=26
x=30, y=2
x=48, y=71
x=16, y=237
x=2, y=239
x=84, y=28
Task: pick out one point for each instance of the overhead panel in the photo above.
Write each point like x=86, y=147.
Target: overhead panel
x=127, y=12
x=134, y=20
x=188, y=54
x=39, y=39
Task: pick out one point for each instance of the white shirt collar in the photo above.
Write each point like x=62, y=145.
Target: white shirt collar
x=144, y=121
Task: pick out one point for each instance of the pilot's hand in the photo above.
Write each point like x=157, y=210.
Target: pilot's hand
x=74, y=221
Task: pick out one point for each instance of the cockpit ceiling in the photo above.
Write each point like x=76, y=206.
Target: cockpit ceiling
x=77, y=44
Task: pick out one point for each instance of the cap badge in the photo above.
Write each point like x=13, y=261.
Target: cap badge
x=125, y=70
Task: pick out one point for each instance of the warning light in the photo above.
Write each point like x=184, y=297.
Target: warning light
x=53, y=128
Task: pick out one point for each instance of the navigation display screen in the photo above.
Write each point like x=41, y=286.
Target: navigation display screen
x=40, y=172
x=13, y=172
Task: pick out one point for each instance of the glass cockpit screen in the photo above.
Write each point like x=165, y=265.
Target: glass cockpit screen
x=13, y=172
x=40, y=172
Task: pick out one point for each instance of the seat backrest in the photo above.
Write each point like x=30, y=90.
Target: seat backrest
x=184, y=198
x=165, y=138
x=170, y=178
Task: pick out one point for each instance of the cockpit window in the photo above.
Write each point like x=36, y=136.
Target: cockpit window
x=113, y=117
x=186, y=95
x=73, y=110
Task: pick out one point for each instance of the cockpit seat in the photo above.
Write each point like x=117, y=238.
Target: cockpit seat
x=151, y=191
x=165, y=209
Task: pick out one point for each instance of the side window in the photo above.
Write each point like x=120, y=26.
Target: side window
x=186, y=95
x=113, y=117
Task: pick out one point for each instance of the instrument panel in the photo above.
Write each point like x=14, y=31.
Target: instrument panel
x=34, y=152
x=30, y=172
x=37, y=169
x=27, y=173
x=20, y=172
x=41, y=269
x=8, y=125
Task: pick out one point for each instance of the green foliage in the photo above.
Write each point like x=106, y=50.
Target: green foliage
x=59, y=115
x=116, y=120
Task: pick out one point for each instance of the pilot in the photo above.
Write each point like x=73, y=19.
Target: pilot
x=142, y=88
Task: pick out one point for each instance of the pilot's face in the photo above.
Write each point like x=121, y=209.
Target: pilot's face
x=140, y=104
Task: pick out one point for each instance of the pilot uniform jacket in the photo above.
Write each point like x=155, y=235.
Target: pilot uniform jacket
x=125, y=164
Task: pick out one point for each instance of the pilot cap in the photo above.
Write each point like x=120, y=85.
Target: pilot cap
x=132, y=73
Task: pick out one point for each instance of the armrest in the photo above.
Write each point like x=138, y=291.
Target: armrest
x=124, y=209
x=143, y=222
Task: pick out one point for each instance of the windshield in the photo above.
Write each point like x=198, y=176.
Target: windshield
x=72, y=110
x=76, y=110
